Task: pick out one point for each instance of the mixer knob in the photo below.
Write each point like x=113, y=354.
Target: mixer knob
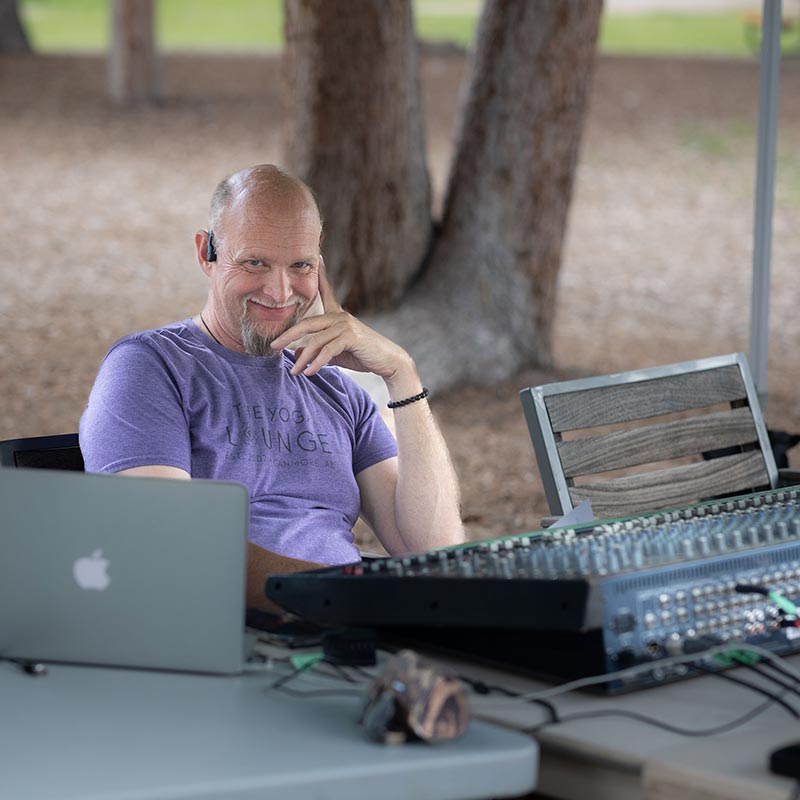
x=680, y=597
x=650, y=620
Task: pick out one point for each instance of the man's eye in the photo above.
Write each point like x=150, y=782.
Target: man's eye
x=302, y=266
x=253, y=263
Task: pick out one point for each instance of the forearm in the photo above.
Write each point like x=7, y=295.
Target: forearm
x=261, y=564
x=427, y=510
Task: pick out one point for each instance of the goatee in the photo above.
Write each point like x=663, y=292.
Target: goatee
x=256, y=343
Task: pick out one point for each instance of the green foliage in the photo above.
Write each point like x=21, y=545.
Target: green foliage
x=84, y=25
x=676, y=34
x=58, y=25
x=714, y=141
x=787, y=180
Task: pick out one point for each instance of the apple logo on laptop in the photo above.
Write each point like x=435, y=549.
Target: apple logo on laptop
x=91, y=572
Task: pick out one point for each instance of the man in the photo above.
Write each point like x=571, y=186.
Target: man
x=220, y=396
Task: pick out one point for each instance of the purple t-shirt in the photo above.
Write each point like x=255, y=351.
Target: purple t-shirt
x=172, y=396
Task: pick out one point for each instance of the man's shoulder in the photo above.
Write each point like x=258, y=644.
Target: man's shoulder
x=172, y=347
x=174, y=332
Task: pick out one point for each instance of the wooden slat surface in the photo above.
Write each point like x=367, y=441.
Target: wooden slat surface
x=660, y=442
x=624, y=402
x=676, y=486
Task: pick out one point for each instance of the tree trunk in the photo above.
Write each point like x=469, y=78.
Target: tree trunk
x=483, y=301
x=133, y=70
x=356, y=136
x=13, y=38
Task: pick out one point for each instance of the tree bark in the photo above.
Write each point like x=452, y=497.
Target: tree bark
x=485, y=308
x=356, y=136
x=133, y=69
x=13, y=38
x=483, y=296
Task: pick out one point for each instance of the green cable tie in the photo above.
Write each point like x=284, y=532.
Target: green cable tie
x=304, y=661
x=745, y=657
x=732, y=657
x=784, y=604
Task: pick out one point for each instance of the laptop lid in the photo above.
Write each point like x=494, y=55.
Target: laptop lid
x=120, y=570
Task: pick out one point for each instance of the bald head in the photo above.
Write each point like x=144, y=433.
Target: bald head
x=265, y=185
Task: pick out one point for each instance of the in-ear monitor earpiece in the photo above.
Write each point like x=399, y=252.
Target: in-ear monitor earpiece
x=211, y=251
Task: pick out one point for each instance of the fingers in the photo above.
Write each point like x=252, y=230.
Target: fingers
x=326, y=290
x=306, y=326
x=320, y=349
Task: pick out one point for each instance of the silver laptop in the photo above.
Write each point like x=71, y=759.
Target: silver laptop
x=125, y=571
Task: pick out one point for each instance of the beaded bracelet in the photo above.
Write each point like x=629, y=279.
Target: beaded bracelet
x=399, y=403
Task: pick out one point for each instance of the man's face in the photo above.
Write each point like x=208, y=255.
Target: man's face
x=266, y=274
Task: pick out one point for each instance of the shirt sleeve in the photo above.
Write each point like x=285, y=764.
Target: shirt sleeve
x=135, y=416
x=374, y=441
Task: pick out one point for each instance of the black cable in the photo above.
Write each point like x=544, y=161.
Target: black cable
x=759, y=670
x=284, y=679
x=746, y=588
x=341, y=672
x=479, y=687
x=780, y=669
x=613, y=712
x=364, y=673
x=760, y=690
x=35, y=668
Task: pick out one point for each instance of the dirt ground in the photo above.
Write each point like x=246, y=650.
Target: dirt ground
x=100, y=206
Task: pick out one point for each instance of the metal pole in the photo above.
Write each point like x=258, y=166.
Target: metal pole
x=769, y=74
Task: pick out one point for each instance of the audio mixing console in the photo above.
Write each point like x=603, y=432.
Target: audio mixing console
x=569, y=603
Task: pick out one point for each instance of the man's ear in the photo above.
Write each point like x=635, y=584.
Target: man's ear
x=201, y=244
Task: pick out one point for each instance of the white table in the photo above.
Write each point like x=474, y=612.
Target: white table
x=613, y=758
x=91, y=733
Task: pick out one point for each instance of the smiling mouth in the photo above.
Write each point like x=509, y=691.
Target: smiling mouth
x=272, y=312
